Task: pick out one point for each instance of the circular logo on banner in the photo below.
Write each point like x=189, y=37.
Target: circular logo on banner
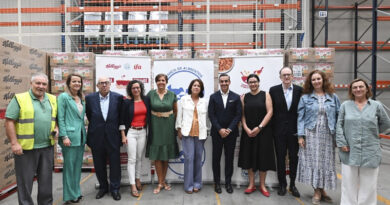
x=178, y=163
x=176, y=83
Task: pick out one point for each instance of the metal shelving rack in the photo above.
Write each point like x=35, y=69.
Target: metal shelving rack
x=72, y=22
x=357, y=45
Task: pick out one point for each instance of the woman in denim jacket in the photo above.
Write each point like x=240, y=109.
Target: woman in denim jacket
x=317, y=116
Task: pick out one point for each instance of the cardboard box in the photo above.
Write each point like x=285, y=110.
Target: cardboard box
x=262, y=52
x=86, y=72
x=182, y=54
x=19, y=51
x=6, y=95
x=328, y=68
x=135, y=53
x=20, y=66
x=58, y=86
x=326, y=54
x=83, y=58
x=160, y=54
x=301, y=69
x=88, y=86
x=207, y=54
x=230, y=52
x=60, y=58
x=60, y=73
x=7, y=168
x=300, y=54
x=113, y=53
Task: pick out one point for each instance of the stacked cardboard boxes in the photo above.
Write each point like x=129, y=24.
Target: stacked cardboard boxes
x=17, y=64
x=61, y=65
x=304, y=60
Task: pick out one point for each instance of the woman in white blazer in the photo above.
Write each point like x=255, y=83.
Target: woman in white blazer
x=192, y=130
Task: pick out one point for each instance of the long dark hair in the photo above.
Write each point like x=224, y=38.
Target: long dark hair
x=130, y=86
x=80, y=92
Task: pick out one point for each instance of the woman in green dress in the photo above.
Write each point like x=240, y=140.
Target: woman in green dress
x=162, y=144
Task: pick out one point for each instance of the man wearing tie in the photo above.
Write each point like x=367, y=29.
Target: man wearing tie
x=285, y=99
x=103, y=110
x=224, y=113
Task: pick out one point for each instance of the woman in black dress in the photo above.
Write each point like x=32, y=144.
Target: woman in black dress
x=256, y=146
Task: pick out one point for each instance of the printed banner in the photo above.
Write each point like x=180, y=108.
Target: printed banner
x=180, y=73
x=122, y=69
x=266, y=67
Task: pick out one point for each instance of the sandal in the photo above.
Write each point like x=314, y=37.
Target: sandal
x=134, y=194
x=138, y=185
x=158, y=189
x=189, y=192
x=167, y=187
x=196, y=190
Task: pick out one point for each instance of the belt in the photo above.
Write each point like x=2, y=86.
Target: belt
x=137, y=128
x=162, y=114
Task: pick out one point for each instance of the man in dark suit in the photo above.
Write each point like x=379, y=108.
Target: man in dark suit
x=224, y=113
x=103, y=113
x=285, y=99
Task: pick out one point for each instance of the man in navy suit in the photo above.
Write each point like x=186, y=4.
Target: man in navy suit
x=285, y=99
x=224, y=113
x=103, y=113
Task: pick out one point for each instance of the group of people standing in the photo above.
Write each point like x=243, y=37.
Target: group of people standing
x=307, y=122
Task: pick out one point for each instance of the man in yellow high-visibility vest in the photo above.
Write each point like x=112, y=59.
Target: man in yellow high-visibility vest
x=31, y=128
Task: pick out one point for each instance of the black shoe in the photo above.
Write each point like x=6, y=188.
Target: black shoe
x=116, y=195
x=294, y=191
x=282, y=191
x=217, y=188
x=229, y=188
x=101, y=193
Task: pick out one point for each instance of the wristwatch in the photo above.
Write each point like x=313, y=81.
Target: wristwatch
x=260, y=127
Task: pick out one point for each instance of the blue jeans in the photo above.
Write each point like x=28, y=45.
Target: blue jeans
x=193, y=150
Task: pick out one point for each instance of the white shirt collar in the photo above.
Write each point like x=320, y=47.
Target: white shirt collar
x=107, y=96
x=222, y=93
x=291, y=86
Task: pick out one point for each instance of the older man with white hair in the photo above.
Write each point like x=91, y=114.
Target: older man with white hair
x=31, y=128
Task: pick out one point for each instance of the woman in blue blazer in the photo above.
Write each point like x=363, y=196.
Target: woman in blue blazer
x=71, y=113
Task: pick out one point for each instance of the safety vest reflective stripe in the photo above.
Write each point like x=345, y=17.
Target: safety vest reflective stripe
x=25, y=136
x=21, y=121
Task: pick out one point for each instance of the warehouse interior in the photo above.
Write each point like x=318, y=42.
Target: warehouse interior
x=357, y=30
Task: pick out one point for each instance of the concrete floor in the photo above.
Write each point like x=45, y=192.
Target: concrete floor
x=207, y=194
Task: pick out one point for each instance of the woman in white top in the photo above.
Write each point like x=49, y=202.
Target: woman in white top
x=192, y=130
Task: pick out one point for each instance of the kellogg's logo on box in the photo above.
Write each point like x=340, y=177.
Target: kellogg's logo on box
x=11, y=62
x=35, y=52
x=14, y=46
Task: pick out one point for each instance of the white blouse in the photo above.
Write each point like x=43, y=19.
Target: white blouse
x=185, y=115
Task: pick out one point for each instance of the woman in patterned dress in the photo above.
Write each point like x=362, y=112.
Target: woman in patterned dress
x=317, y=115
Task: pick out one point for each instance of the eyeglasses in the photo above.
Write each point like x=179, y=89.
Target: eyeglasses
x=104, y=83
x=286, y=75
